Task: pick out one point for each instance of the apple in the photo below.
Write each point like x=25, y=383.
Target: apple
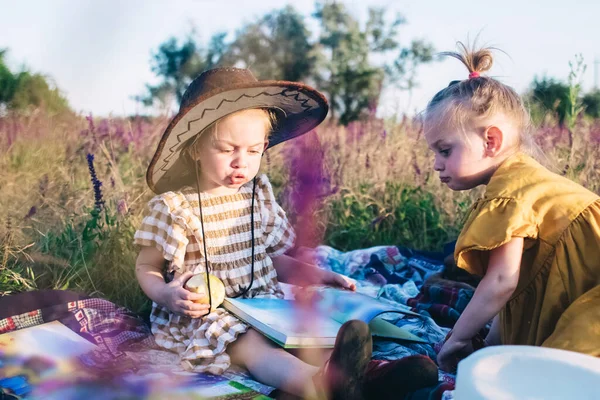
x=198, y=284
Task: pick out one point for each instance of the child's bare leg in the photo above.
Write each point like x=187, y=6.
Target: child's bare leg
x=312, y=356
x=273, y=365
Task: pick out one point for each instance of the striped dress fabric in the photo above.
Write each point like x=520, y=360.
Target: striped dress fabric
x=172, y=225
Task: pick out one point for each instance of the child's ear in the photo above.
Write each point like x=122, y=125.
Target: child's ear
x=493, y=140
x=266, y=145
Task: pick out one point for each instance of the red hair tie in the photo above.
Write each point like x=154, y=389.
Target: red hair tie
x=474, y=74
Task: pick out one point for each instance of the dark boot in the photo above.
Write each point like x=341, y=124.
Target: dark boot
x=342, y=377
x=395, y=379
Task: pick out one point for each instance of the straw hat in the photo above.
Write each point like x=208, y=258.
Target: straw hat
x=219, y=92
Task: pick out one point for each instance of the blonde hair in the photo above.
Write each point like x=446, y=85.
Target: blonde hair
x=190, y=151
x=478, y=97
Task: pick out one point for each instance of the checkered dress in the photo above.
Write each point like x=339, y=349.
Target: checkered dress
x=173, y=227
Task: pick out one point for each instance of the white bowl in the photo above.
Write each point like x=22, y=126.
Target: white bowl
x=527, y=372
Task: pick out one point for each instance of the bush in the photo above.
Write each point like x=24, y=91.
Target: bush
x=25, y=91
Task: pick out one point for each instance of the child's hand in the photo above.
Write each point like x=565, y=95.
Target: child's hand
x=309, y=256
x=181, y=301
x=338, y=280
x=305, y=297
x=452, y=352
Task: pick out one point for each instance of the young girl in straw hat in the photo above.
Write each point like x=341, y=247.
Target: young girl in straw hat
x=534, y=236
x=214, y=215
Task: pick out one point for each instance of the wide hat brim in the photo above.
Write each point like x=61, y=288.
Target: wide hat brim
x=299, y=109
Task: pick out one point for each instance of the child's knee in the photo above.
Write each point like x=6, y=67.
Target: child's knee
x=247, y=346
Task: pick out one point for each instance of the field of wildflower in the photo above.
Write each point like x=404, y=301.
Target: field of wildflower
x=73, y=191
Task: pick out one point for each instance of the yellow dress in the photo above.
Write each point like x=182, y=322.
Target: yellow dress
x=557, y=300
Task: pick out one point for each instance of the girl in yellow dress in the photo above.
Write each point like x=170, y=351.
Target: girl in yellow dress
x=534, y=237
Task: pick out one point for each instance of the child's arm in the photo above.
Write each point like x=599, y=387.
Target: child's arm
x=492, y=293
x=172, y=295
x=493, y=336
x=296, y=272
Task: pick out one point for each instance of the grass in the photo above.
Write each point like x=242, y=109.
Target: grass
x=367, y=184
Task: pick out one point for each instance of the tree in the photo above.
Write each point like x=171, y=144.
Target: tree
x=8, y=83
x=591, y=103
x=403, y=71
x=36, y=90
x=549, y=95
x=347, y=74
x=25, y=90
x=278, y=46
x=178, y=64
x=275, y=47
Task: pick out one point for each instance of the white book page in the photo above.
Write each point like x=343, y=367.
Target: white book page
x=284, y=317
x=53, y=340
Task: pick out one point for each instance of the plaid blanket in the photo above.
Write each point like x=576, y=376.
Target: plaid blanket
x=394, y=274
x=110, y=327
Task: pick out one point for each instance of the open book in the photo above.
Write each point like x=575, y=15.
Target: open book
x=292, y=327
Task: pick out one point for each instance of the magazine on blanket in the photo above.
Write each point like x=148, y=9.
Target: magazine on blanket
x=292, y=327
x=52, y=340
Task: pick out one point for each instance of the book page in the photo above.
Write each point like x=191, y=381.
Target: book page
x=284, y=322
x=52, y=339
x=287, y=324
x=344, y=305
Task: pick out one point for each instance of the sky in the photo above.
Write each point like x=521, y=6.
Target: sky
x=98, y=51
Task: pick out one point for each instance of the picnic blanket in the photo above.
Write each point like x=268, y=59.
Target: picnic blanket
x=128, y=362
x=406, y=277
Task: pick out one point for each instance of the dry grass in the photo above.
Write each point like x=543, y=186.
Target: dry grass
x=371, y=183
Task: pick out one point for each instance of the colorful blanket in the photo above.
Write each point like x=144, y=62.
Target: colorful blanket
x=411, y=279
x=128, y=362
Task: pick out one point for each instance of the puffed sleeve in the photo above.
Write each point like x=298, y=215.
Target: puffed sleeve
x=163, y=229
x=491, y=224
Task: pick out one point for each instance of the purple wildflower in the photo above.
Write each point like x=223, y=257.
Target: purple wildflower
x=32, y=211
x=12, y=127
x=377, y=220
x=99, y=201
x=415, y=164
x=89, y=135
x=120, y=135
x=122, y=207
x=90, y=120
x=594, y=133
x=103, y=129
